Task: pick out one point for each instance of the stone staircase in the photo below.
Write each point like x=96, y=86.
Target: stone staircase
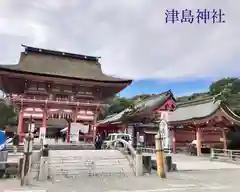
x=88, y=163
x=55, y=147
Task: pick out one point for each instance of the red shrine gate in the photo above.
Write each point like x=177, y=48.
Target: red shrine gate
x=53, y=84
x=71, y=111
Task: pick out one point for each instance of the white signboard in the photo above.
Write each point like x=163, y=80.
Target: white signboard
x=163, y=128
x=42, y=134
x=31, y=127
x=74, y=131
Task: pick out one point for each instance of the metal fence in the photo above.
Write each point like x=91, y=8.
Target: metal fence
x=223, y=154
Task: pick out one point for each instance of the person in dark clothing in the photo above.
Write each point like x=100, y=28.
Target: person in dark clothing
x=15, y=142
x=98, y=141
x=64, y=137
x=57, y=136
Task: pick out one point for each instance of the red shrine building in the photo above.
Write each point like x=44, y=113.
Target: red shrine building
x=47, y=84
x=140, y=117
x=205, y=120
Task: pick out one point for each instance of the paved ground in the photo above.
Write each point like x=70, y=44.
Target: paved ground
x=194, y=181
x=189, y=163
x=195, y=175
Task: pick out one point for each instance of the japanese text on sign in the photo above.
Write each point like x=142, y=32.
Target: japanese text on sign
x=198, y=16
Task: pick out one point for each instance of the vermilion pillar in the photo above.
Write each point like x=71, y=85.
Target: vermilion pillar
x=199, y=142
x=94, y=127
x=44, y=118
x=224, y=139
x=174, y=140
x=75, y=116
x=20, y=129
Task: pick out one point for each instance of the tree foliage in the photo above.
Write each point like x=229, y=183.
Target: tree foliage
x=116, y=105
x=230, y=92
x=228, y=87
x=7, y=114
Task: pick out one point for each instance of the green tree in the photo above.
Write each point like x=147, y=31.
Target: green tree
x=222, y=84
x=7, y=114
x=230, y=92
x=115, y=105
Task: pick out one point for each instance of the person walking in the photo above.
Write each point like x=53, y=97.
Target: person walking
x=15, y=142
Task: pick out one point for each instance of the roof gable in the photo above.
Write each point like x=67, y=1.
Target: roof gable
x=144, y=107
x=194, y=111
x=55, y=63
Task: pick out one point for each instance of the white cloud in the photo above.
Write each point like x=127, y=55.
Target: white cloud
x=130, y=36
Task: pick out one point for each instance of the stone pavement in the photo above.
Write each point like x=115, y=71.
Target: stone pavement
x=191, y=163
x=195, y=181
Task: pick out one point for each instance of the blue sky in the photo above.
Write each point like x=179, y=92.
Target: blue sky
x=180, y=88
x=131, y=37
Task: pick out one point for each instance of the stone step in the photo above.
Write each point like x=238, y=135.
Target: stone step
x=79, y=163
x=87, y=174
x=64, y=147
x=86, y=167
x=80, y=171
x=117, y=160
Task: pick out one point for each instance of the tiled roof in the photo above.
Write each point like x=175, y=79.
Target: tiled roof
x=200, y=109
x=55, y=63
x=194, y=111
x=145, y=107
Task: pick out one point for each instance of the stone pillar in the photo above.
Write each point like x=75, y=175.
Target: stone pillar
x=20, y=129
x=43, y=171
x=199, y=143
x=139, y=164
x=224, y=139
x=174, y=150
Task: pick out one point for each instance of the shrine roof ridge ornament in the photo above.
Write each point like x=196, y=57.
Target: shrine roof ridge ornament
x=59, y=53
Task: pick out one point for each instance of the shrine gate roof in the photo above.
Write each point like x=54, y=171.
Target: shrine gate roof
x=38, y=61
x=143, y=108
x=201, y=109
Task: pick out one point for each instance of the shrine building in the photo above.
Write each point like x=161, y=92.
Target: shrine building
x=47, y=84
x=206, y=120
x=141, y=117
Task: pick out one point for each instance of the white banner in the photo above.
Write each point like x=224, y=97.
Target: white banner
x=42, y=132
x=74, y=131
x=164, y=131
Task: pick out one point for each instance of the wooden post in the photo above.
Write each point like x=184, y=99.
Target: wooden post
x=68, y=131
x=199, y=143
x=159, y=156
x=20, y=129
x=224, y=139
x=174, y=140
